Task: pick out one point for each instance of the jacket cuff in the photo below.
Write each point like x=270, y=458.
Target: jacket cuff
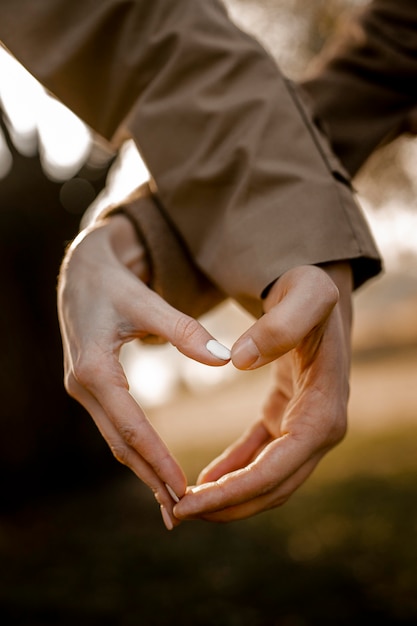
x=173, y=275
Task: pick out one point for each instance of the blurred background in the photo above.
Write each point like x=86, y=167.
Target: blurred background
x=80, y=538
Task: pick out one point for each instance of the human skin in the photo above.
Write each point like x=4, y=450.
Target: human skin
x=104, y=302
x=306, y=332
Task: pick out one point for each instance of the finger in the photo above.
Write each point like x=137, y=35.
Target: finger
x=105, y=395
x=275, y=465
x=298, y=302
x=257, y=436
x=264, y=502
x=237, y=455
x=164, y=494
x=127, y=308
x=151, y=314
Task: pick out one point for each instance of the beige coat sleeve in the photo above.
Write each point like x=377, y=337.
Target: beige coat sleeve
x=241, y=174
x=174, y=275
x=363, y=85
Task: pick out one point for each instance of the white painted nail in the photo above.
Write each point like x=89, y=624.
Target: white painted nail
x=218, y=350
x=172, y=493
x=169, y=525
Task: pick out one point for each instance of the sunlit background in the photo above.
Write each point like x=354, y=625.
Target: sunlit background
x=343, y=549
x=387, y=190
x=65, y=144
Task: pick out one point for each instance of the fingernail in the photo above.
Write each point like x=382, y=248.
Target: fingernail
x=245, y=353
x=166, y=518
x=172, y=493
x=218, y=350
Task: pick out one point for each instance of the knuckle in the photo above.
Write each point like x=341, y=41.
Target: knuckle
x=129, y=434
x=120, y=452
x=185, y=329
x=332, y=295
x=278, y=335
x=70, y=384
x=332, y=431
x=325, y=432
x=338, y=431
x=85, y=370
x=329, y=291
x=93, y=367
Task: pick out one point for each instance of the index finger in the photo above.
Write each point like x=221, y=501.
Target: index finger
x=266, y=481
x=138, y=434
x=129, y=434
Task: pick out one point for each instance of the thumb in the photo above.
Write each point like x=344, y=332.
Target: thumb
x=181, y=330
x=299, y=301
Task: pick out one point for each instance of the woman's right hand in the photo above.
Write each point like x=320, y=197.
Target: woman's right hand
x=103, y=303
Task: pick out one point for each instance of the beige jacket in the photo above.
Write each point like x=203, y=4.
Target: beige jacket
x=245, y=186
x=363, y=86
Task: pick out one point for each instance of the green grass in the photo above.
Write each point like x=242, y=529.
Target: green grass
x=342, y=550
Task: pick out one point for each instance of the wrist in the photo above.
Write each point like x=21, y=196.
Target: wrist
x=126, y=245
x=342, y=276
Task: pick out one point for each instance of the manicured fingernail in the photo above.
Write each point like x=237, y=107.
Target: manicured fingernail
x=218, y=350
x=172, y=493
x=166, y=518
x=245, y=353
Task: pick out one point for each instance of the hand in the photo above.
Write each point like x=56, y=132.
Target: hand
x=103, y=302
x=306, y=331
